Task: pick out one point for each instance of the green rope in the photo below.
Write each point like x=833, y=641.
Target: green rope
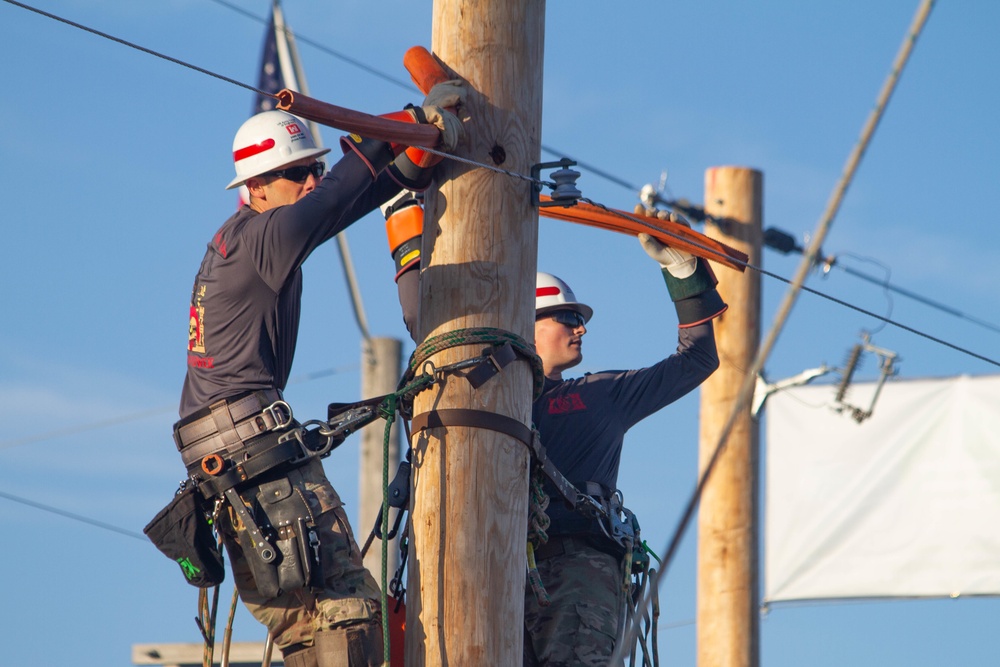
x=538, y=525
x=475, y=336
x=538, y=502
x=387, y=410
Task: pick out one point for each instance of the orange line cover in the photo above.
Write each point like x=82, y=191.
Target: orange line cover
x=671, y=233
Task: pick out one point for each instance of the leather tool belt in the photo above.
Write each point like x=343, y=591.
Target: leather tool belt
x=224, y=427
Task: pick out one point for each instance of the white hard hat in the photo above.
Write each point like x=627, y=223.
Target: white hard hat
x=269, y=141
x=553, y=294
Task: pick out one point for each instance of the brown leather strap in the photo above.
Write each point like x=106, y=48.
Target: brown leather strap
x=474, y=419
x=224, y=424
x=507, y=426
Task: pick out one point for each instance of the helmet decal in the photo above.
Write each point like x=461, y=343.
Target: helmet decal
x=255, y=149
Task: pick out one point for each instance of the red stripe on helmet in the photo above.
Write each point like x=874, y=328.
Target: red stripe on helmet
x=546, y=291
x=252, y=150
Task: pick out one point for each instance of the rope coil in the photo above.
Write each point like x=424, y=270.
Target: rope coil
x=475, y=336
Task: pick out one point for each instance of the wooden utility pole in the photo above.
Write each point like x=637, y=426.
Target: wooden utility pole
x=727, y=520
x=465, y=592
x=381, y=360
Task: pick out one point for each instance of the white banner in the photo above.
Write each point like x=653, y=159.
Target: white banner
x=905, y=504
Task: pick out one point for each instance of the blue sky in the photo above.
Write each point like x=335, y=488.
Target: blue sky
x=114, y=162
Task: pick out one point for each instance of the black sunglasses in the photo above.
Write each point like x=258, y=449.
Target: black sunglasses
x=299, y=174
x=569, y=318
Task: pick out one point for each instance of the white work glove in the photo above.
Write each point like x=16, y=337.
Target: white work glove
x=680, y=263
x=448, y=123
x=449, y=93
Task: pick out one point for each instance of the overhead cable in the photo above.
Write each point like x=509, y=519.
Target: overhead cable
x=743, y=398
x=802, y=287
x=143, y=414
x=74, y=517
x=797, y=283
x=785, y=243
x=407, y=85
x=136, y=46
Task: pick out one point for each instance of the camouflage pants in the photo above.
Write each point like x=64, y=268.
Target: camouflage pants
x=581, y=624
x=350, y=595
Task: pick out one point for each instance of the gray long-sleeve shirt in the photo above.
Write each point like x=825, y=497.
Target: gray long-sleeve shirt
x=245, y=304
x=582, y=421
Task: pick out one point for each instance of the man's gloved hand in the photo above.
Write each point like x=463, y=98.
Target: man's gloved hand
x=680, y=263
x=447, y=122
x=446, y=94
x=441, y=101
x=690, y=282
x=377, y=155
x=411, y=168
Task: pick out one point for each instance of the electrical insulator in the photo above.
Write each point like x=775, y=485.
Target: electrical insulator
x=565, y=190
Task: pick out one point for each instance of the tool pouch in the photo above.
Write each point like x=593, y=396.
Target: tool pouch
x=288, y=525
x=182, y=532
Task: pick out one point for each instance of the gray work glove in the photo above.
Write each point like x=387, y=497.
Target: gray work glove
x=449, y=93
x=448, y=123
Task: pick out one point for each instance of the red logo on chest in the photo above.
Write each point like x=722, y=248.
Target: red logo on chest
x=561, y=405
x=220, y=243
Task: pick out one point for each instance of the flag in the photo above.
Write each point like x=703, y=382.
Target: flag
x=270, y=79
x=278, y=70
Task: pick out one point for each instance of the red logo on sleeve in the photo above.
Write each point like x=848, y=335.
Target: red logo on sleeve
x=560, y=405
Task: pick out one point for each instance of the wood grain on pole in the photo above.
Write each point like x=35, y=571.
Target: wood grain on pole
x=465, y=593
x=727, y=614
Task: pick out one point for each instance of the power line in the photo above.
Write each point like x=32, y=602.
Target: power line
x=803, y=287
x=797, y=283
x=136, y=46
x=82, y=428
x=74, y=517
x=833, y=205
x=784, y=243
x=746, y=390
x=321, y=47
x=408, y=86
x=682, y=205
x=152, y=412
